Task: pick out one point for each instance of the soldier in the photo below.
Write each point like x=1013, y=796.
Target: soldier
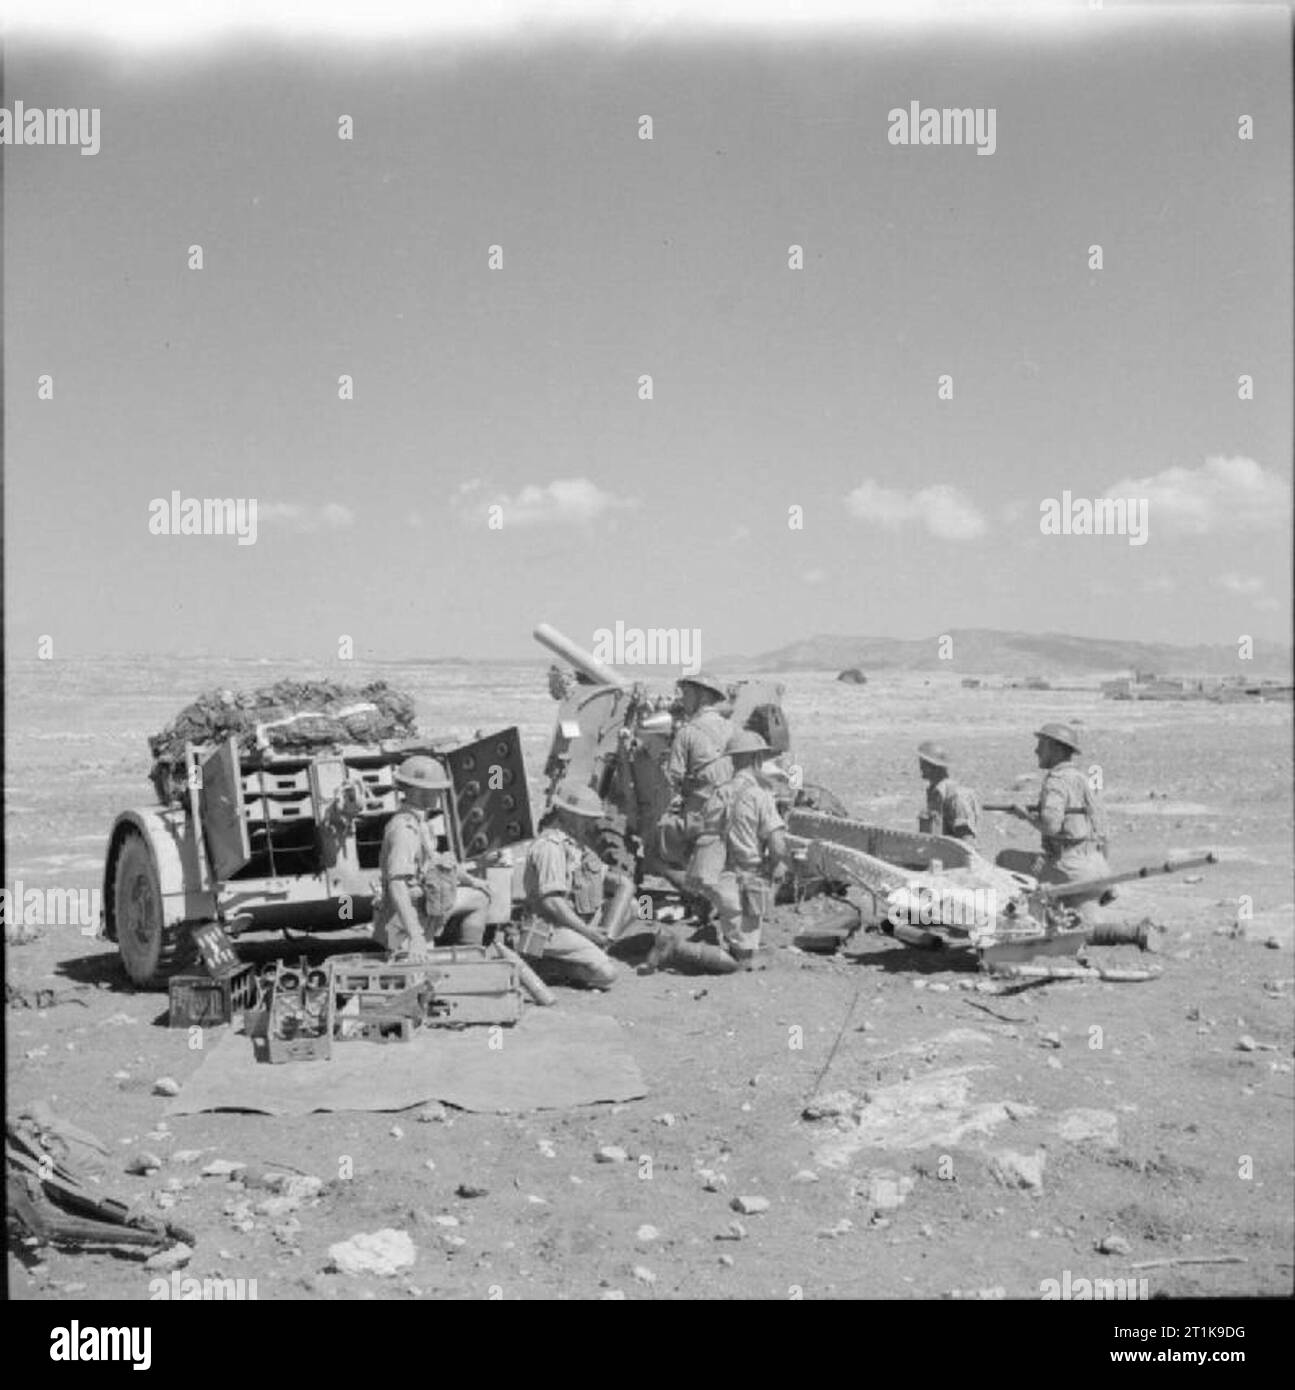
x=697, y=764
x=424, y=889
x=742, y=818
x=1070, y=815
x=565, y=887
x=950, y=809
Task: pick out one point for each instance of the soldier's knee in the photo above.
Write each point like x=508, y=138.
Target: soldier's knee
x=603, y=975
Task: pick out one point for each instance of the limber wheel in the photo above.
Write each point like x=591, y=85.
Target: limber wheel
x=149, y=951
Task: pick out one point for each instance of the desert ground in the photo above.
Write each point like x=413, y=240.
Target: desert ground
x=1156, y=1117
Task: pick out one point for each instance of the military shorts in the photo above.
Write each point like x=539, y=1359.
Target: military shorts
x=743, y=899
x=570, y=958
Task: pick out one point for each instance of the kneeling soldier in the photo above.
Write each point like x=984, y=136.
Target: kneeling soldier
x=951, y=809
x=742, y=817
x=565, y=885
x=425, y=890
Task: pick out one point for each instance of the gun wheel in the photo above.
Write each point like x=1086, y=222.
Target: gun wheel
x=150, y=951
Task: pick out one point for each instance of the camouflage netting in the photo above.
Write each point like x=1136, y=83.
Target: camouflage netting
x=291, y=715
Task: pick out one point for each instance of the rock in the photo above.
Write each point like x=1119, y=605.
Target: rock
x=143, y=1162
x=612, y=1296
x=187, y=1155
x=884, y=1190
x=166, y=1086
x=1050, y=1040
x=843, y=1227
x=164, y=1200
x=278, y=1206
x=1273, y=943
x=1016, y=1111
x=735, y=1230
x=879, y=1222
x=175, y=1258
x=749, y=1206
x=646, y=1233
x=396, y=1132
x=712, y=1181
x=1100, y=1127
x=830, y=1104
x=545, y=1146
x=286, y=1232
x=938, y=987
x=429, y=1164
x=433, y=1113
x=1013, y=1169
x=666, y=1119
x=467, y=1189
x=727, y=1261
x=384, y=1253
x=451, y=1242
x=643, y=1274
x=302, y=1186
x=445, y=1220
x=174, y=1185
x=1112, y=1245
x=610, y=1153
x=1245, y=1043
x=222, y=1168
x=805, y=1175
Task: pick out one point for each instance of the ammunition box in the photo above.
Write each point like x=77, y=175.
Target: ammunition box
x=199, y=1000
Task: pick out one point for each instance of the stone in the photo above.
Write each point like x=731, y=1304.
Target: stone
x=644, y=1275
x=1100, y=1127
x=302, y=1186
x=727, y=1261
x=278, y=1206
x=749, y=1206
x=612, y=1296
x=468, y=1189
x=735, y=1230
x=222, y=1168
x=1113, y=1245
x=433, y=1113
x=1245, y=1043
x=383, y=1253
x=1050, y=1040
x=843, y=1227
x=1016, y=1111
x=1014, y=1169
x=143, y=1162
x=884, y=1191
x=610, y=1153
x=187, y=1155
x=829, y=1104
x=175, y=1258
x=166, y=1086
x=805, y=1175
x=647, y=1233
x=667, y=1119
x=396, y=1132
x=445, y=1219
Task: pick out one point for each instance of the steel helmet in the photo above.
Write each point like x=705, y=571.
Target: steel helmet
x=424, y=772
x=578, y=799
x=705, y=682
x=934, y=754
x=1060, y=733
x=746, y=741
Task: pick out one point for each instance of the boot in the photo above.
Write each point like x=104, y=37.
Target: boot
x=688, y=957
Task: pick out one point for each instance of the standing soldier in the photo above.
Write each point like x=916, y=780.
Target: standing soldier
x=565, y=887
x=697, y=764
x=424, y=889
x=1070, y=815
x=742, y=817
x=950, y=809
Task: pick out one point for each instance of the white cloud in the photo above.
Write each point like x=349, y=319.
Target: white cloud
x=1244, y=584
x=564, y=501
x=296, y=516
x=943, y=510
x=815, y=576
x=1222, y=494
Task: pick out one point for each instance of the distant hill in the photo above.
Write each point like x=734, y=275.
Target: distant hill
x=987, y=652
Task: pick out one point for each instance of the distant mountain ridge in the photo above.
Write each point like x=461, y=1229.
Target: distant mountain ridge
x=990, y=652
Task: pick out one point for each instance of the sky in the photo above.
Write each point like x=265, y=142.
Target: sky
x=796, y=469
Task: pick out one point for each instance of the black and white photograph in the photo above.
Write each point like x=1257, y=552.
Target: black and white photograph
x=648, y=657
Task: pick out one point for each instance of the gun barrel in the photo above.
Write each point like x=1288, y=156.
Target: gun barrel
x=584, y=662
x=999, y=806
x=1092, y=885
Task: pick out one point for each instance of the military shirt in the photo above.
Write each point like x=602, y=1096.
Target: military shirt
x=555, y=863
x=752, y=817
x=957, y=807
x=409, y=854
x=696, y=761
x=1065, y=819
